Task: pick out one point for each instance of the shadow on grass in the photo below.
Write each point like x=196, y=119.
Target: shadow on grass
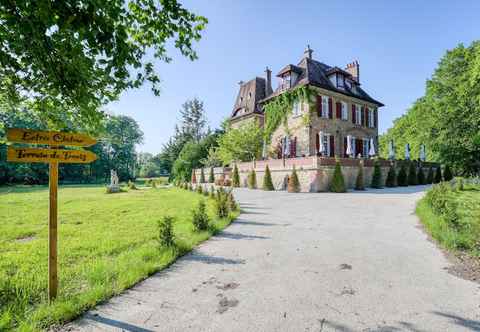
x=115, y=323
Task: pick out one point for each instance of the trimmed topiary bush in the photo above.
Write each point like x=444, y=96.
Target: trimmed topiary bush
x=421, y=176
x=377, y=176
x=430, y=176
x=447, y=173
x=232, y=204
x=221, y=203
x=211, y=176
x=202, y=176
x=212, y=192
x=199, y=189
x=438, y=175
x=338, y=183
x=267, y=180
x=252, y=180
x=293, y=183
x=402, y=179
x=200, y=218
x=412, y=174
x=131, y=185
x=391, y=180
x=360, y=183
x=166, y=237
x=235, y=177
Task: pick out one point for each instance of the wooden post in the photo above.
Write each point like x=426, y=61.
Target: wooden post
x=52, y=232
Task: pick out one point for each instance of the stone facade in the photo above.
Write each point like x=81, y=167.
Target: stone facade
x=339, y=108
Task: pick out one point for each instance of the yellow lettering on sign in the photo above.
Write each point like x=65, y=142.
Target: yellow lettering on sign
x=18, y=135
x=33, y=155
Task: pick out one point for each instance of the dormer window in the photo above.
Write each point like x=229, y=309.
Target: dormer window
x=285, y=82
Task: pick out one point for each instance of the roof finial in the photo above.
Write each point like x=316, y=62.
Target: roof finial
x=308, y=52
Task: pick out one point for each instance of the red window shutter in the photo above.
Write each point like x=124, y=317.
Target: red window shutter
x=375, y=118
x=319, y=106
x=317, y=143
x=345, y=143
x=295, y=147
x=339, y=110
x=293, y=143
x=332, y=146
x=362, y=116
x=330, y=108
x=354, y=115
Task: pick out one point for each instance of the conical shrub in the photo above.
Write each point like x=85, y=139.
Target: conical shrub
x=235, y=177
x=211, y=176
x=267, y=180
x=402, y=179
x=338, y=183
x=391, y=180
x=430, y=175
x=194, y=177
x=421, y=176
x=438, y=175
x=252, y=180
x=360, y=183
x=377, y=176
x=447, y=173
x=202, y=176
x=412, y=174
x=293, y=183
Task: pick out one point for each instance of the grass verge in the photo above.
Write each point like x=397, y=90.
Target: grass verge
x=463, y=235
x=107, y=243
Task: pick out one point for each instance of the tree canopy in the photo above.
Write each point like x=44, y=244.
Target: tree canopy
x=447, y=118
x=67, y=58
x=243, y=144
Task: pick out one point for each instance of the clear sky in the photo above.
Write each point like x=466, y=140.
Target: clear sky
x=397, y=43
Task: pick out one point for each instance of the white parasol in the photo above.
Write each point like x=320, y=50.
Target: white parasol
x=372, y=152
x=321, y=147
x=349, y=151
x=422, y=153
x=407, y=151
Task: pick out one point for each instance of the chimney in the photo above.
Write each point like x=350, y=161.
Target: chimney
x=354, y=69
x=268, y=83
x=308, y=52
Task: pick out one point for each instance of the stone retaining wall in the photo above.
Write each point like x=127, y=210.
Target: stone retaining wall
x=314, y=173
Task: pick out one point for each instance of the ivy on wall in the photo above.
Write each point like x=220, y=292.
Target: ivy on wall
x=279, y=108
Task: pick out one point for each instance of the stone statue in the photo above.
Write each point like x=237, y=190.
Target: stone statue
x=113, y=178
x=114, y=186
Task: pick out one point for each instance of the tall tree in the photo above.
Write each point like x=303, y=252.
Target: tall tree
x=69, y=57
x=244, y=143
x=193, y=120
x=447, y=118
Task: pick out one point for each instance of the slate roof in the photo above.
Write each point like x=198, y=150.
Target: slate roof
x=316, y=73
x=249, y=94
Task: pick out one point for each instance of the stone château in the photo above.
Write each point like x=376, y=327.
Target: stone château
x=342, y=110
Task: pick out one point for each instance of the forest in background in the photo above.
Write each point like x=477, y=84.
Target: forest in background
x=447, y=118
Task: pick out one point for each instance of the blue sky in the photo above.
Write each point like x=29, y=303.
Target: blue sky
x=398, y=45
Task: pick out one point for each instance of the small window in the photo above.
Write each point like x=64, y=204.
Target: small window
x=358, y=114
x=370, y=118
x=297, y=108
x=340, y=81
x=344, y=111
x=324, y=107
x=249, y=95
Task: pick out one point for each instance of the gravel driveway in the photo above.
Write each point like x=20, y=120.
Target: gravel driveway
x=304, y=262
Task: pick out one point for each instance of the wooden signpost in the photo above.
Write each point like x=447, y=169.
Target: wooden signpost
x=53, y=157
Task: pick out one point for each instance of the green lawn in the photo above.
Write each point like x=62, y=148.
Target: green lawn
x=465, y=235
x=107, y=243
